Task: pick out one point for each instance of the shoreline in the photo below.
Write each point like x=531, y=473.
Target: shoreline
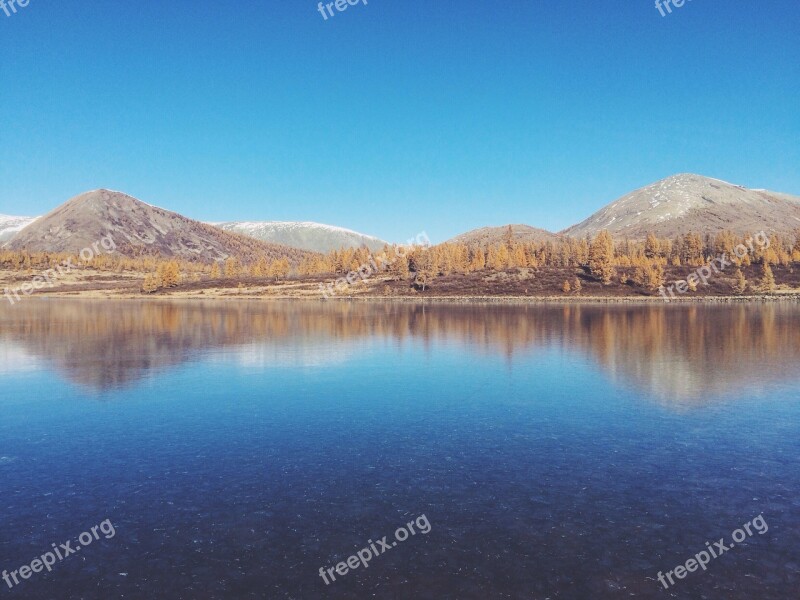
x=486, y=300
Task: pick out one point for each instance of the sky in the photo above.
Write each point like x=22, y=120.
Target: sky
x=394, y=117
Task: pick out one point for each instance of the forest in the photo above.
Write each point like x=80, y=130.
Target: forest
x=645, y=264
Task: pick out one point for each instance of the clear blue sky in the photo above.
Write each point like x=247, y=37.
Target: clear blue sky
x=398, y=116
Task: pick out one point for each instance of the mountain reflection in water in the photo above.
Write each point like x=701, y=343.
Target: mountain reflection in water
x=678, y=355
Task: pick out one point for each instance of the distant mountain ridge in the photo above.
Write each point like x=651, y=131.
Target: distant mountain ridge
x=673, y=206
x=687, y=202
x=138, y=229
x=305, y=235
x=11, y=226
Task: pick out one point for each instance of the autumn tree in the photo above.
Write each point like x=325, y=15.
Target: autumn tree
x=461, y=258
x=581, y=252
x=398, y=266
x=601, y=257
x=652, y=247
x=279, y=269
x=498, y=257
x=746, y=261
x=260, y=268
x=424, y=268
x=676, y=252
x=517, y=256
x=739, y=282
x=169, y=274
x=477, y=261
x=770, y=255
x=151, y=283
x=767, y=278
x=783, y=250
x=508, y=237
x=796, y=248
x=693, y=248
x=232, y=268
x=724, y=243
x=649, y=275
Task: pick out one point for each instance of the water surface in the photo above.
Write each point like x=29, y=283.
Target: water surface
x=557, y=452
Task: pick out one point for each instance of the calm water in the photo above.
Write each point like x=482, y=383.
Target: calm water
x=556, y=452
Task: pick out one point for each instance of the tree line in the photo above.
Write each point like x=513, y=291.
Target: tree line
x=602, y=257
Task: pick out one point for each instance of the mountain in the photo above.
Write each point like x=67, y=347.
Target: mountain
x=488, y=236
x=10, y=226
x=687, y=202
x=137, y=229
x=313, y=237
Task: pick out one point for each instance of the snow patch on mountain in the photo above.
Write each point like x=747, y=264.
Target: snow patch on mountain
x=10, y=226
x=688, y=202
x=305, y=235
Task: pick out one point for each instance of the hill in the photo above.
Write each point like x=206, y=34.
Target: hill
x=686, y=202
x=313, y=237
x=137, y=229
x=488, y=236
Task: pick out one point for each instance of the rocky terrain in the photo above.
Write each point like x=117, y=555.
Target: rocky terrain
x=138, y=229
x=693, y=203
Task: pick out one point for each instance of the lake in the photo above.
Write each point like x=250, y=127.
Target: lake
x=242, y=449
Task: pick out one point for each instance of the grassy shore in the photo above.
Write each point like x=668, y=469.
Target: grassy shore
x=520, y=286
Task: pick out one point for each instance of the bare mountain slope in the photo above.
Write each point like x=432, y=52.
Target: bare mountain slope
x=137, y=229
x=488, y=236
x=686, y=202
x=314, y=237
